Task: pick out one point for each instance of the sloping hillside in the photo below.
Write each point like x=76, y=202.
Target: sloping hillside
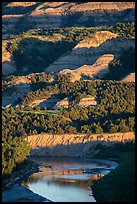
x=129, y=78
x=73, y=144
x=68, y=81
x=91, y=72
x=96, y=48
x=48, y=35
x=57, y=14
x=8, y=66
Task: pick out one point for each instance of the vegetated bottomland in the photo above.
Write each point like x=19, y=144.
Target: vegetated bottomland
x=113, y=113
x=119, y=184
x=22, y=172
x=12, y=188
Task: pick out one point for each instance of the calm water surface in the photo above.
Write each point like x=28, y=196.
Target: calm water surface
x=64, y=179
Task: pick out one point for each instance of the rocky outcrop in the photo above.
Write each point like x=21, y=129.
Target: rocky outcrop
x=18, y=87
x=48, y=102
x=84, y=102
x=73, y=144
x=55, y=102
x=95, y=52
x=57, y=14
x=92, y=72
x=16, y=80
x=22, y=4
x=96, y=39
x=87, y=101
x=129, y=78
x=64, y=103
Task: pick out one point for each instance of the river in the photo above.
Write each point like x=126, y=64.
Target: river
x=67, y=179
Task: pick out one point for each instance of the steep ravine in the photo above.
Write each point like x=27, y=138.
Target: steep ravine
x=72, y=145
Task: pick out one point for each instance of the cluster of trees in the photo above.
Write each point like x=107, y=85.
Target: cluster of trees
x=31, y=123
x=125, y=30
x=35, y=54
x=74, y=90
x=70, y=88
x=7, y=82
x=113, y=113
x=42, y=80
x=38, y=81
x=41, y=77
x=75, y=34
x=124, y=153
x=40, y=54
x=14, y=151
x=71, y=34
x=41, y=93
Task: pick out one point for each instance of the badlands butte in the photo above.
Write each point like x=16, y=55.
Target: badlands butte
x=62, y=57
x=27, y=15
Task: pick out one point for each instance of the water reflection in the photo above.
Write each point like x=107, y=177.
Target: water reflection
x=65, y=180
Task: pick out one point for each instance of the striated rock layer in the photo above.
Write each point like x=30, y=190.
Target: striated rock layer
x=91, y=56
x=58, y=14
x=74, y=144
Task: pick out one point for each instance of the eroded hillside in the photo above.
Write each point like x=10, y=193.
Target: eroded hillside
x=73, y=144
x=97, y=51
x=8, y=66
x=80, y=38
x=68, y=79
x=18, y=16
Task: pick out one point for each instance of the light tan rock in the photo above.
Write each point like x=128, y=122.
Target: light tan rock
x=52, y=14
x=74, y=144
x=96, y=39
x=129, y=78
x=64, y=103
x=87, y=101
x=22, y=4
x=97, y=70
x=95, y=51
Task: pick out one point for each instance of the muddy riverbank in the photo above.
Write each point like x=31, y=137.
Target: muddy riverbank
x=13, y=191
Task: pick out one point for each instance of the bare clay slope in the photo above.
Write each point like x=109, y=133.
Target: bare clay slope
x=57, y=14
x=73, y=144
x=91, y=56
x=129, y=78
x=7, y=62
